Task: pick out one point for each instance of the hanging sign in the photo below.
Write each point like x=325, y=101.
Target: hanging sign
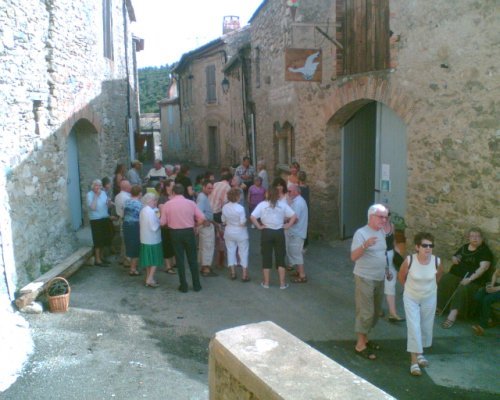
x=303, y=65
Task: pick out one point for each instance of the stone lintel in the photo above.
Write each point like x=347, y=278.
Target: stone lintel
x=263, y=361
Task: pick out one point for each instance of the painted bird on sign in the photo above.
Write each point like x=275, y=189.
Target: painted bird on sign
x=309, y=68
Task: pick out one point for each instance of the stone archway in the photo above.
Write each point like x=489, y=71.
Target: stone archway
x=342, y=104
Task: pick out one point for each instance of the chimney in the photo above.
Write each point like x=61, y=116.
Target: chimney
x=230, y=23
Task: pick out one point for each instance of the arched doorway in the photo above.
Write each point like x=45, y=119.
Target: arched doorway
x=83, y=167
x=373, y=166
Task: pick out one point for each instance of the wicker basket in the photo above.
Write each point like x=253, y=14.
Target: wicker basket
x=58, y=304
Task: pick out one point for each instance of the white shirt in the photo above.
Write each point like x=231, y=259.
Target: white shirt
x=421, y=279
x=233, y=215
x=298, y=204
x=157, y=173
x=150, y=231
x=371, y=265
x=265, y=179
x=120, y=200
x=273, y=218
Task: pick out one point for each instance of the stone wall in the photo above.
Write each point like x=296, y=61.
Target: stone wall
x=445, y=89
x=54, y=80
x=263, y=361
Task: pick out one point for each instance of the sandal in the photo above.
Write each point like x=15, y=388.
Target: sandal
x=300, y=279
x=365, y=353
x=373, y=346
x=245, y=279
x=447, y=324
x=422, y=361
x=478, y=330
x=395, y=318
x=208, y=273
x=153, y=285
x=134, y=273
x=170, y=271
x=415, y=370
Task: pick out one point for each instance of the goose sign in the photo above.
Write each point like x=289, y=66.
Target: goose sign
x=303, y=65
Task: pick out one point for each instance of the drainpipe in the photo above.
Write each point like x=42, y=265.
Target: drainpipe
x=130, y=124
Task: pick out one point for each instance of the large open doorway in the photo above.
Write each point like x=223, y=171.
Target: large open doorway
x=374, y=154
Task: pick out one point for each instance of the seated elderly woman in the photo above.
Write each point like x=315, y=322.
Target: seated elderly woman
x=486, y=297
x=467, y=275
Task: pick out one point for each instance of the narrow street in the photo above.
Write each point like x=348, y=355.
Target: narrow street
x=122, y=340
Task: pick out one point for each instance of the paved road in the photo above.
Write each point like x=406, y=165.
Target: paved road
x=125, y=341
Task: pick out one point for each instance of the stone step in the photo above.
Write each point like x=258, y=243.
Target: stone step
x=66, y=268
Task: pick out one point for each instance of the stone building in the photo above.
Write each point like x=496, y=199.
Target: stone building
x=68, y=115
x=212, y=131
x=172, y=145
x=404, y=110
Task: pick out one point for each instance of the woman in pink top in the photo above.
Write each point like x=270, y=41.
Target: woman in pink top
x=256, y=194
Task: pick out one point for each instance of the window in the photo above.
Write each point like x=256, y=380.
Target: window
x=107, y=20
x=363, y=30
x=211, y=87
x=284, y=144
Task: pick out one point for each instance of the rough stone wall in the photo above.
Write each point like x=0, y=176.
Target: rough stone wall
x=445, y=88
x=53, y=74
x=202, y=114
x=226, y=113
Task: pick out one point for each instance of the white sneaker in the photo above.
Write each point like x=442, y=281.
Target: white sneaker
x=285, y=286
x=264, y=285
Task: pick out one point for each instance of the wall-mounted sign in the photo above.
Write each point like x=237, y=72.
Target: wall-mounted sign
x=303, y=65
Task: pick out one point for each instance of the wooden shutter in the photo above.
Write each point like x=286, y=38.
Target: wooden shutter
x=211, y=92
x=363, y=30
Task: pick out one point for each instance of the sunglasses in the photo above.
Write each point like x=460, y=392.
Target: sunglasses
x=427, y=245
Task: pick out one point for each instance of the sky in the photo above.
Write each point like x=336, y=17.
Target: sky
x=171, y=28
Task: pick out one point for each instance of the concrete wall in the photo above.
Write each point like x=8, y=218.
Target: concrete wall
x=263, y=361
x=444, y=87
x=56, y=81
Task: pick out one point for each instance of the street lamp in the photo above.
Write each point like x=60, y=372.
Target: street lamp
x=225, y=85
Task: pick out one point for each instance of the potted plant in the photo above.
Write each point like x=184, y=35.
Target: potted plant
x=399, y=227
x=58, y=291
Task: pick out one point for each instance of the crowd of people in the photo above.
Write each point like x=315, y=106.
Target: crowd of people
x=164, y=220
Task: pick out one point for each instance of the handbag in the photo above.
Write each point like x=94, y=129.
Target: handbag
x=397, y=260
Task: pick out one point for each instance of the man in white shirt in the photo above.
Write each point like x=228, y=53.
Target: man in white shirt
x=297, y=233
x=120, y=199
x=157, y=172
x=206, y=232
x=368, y=250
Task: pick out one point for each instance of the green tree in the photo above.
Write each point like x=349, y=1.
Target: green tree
x=153, y=84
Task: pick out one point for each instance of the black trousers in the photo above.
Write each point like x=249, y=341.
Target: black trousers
x=184, y=242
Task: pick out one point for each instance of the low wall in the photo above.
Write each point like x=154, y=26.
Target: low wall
x=263, y=361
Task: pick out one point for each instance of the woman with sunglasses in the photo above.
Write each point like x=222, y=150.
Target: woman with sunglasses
x=419, y=275
x=469, y=272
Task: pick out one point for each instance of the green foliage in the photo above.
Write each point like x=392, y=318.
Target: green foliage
x=58, y=288
x=153, y=83
x=398, y=221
